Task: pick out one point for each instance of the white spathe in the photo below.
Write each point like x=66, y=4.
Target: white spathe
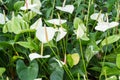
x=3, y=18
x=37, y=24
x=36, y=11
x=97, y=16
x=33, y=56
x=57, y=21
x=103, y=26
x=28, y=5
x=61, y=33
x=45, y=34
x=80, y=31
x=38, y=79
x=35, y=7
x=66, y=8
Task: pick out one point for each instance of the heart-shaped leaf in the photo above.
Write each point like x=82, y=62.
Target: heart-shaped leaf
x=57, y=74
x=15, y=25
x=27, y=72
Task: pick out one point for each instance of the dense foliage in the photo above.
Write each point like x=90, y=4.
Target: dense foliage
x=59, y=39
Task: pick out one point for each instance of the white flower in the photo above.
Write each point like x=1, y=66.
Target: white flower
x=97, y=16
x=61, y=34
x=38, y=79
x=3, y=18
x=28, y=5
x=37, y=24
x=33, y=7
x=45, y=34
x=80, y=31
x=66, y=8
x=103, y=26
x=57, y=21
x=33, y=56
x=36, y=11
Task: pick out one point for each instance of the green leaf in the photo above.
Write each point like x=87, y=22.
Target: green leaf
x=110, y=71
x=27, y=72
x=110, y=40
x=17, y=36
x=2, y=70
x=90, y=51
x=31, y=45
x=4, y=44
x=118, y=61
x=16, y=25
x=28, y=16
x=57, y=74
x=97, y=69
x=18, y=4
x=48, y=13
x=70, y=60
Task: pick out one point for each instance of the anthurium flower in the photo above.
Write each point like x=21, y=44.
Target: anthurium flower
x=57, y=21
x=97, y=16
x=38, y=79
x=36, y=9
x=61, y=33
x=3, y=18
x=37, y=24
x=45, y=34
x=28, y=5
x=103, y=26
x=33, y=56
x=66, y=8
x=81, y=32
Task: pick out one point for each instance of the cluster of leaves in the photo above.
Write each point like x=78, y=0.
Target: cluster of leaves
x=84, y=52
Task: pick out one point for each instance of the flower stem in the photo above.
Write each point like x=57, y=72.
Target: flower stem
x=84, y=65
x=103, y=62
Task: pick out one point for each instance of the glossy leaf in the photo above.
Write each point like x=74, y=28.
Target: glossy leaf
x=110, y=40
x=70, y=60
x=110, y=71
x=18, y=4
x=57, y=74
x=27, y=72
x=31, y=45
x=16, y=25
x=29, y=15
